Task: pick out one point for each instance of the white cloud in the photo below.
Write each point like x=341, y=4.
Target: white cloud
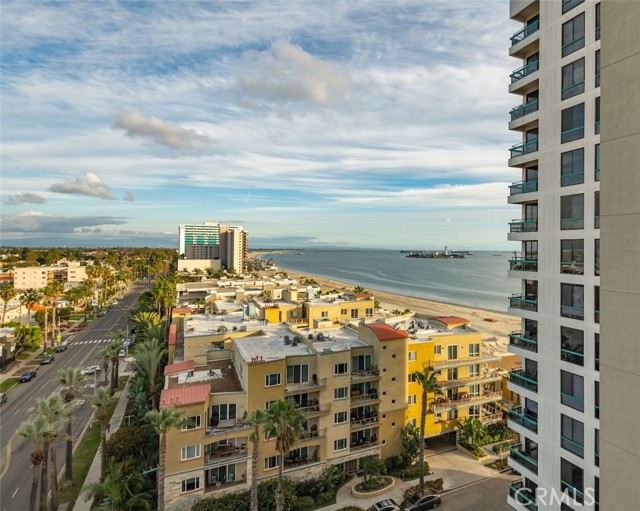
x=24, y=197
x=34, y=221
x=128, y=196
x=161, y=132
x=87, y=184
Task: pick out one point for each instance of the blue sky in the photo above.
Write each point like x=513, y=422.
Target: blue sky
x=354, y=124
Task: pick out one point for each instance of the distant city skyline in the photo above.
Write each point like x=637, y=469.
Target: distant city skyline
x=367, y=124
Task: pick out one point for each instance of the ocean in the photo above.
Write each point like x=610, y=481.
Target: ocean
x=478, y=280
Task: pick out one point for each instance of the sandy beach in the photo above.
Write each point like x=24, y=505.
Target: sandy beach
x=490, y=323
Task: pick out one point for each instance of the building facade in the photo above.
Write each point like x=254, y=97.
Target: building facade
x=558, y=234
x=200, y=241
x=37, y=277
x=199, y=244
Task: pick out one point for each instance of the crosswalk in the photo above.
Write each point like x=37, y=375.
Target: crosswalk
x=93, y=341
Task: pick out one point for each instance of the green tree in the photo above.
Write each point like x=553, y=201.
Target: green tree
x=28, y=299
x=162, y=421
x=35, y=431
x=429, y=383
x=114, y=351
x=254, y=420
x=73, y=382
x=360, y=290
x=56, y=291
x=471, y=429
x=410, y=442
x=121, y=490
x=104, y=355
x=101, y=401
x=372, y=469
x=283, y=421
x=149, y=356
x=7, y=293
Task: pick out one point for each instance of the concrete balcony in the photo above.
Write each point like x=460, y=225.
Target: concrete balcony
x=368, y=422
x=521, y=497
x=523, y=154
x=361, y=376
x=369, y=398
x=522, y=379
x=313, y=385
x=473, y=380
x=225, y=455
x=462, y=402
x=365, y=446
x=522, y=10
x=525, y=342
x=526, y=40
x=525, y=418
x=482, y=358
x=225, y=427
x=525, y=79
x=311, y=436
x=520, y=264
x=521, y=191
x=315, y=410
x=523, y=459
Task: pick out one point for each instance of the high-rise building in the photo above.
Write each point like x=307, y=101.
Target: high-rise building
x=558, y=191
x=200, y=241
x=211, y=241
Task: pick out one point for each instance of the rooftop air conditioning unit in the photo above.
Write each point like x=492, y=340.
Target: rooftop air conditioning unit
x=326, y=350
x=190, y=373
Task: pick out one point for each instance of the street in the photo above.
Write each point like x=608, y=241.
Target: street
x=485, y=494
x=15, y=452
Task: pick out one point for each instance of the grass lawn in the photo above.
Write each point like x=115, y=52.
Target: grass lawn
x=23, y=356
x=7, y=384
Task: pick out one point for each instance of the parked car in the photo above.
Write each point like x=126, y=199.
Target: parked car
x=47, y=359
x=102, y=313
x=120, y=297
x=126, y=343
x=122, y=352
x=385, y=505
x=27, y=375
x=90, y=370
x=419, y=502
x=61, y=348
x=3, y=398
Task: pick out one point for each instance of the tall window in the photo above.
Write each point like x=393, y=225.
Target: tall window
x=597, y=352
x=596, y=210
x=572, y=123
x=567, y=5
x=222, y=412
x=340, y=393
x=572, y=212
x=572, y=79
x=572, y=435
x=452, y=352
x=572, y=345
x=474, y=370
x=596, y=252
x=597, y=68
x=271, y=462
x=474, y=350
x=354, y=313
x=298, y=374
x=596, y=304
x=340, y=417
x=572, y=301
x=597, y=21
x=597, y=162
x=192, y=422
x=360, y=363
x=597, y=116
x=573, y=35
x=572, y=390
x=572, y=167
x=340, y=445
x=572, y=479
x=572, y=257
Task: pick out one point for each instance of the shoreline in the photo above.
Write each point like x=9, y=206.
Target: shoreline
x=488, y=322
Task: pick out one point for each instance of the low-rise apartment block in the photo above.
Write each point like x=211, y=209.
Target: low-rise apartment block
x=37, y=277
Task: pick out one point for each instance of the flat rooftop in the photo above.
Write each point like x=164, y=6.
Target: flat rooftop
x=271, y=345
x=219, y=374
x=334, y=339
x=211, y=324
x=336, y=299
x=421, y=330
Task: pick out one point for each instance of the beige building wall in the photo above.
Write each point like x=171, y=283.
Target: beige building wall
x=620, y=291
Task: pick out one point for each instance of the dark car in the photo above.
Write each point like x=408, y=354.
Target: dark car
x=61, y=348
x=419, y=502
x=3, y=398
x=102, y=313
x=27, y=376
x=385, y=505
x=47, y=359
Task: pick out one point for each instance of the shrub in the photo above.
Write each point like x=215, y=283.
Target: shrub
x=433, y=486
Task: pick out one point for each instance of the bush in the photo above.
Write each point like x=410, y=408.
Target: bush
x=433, y=486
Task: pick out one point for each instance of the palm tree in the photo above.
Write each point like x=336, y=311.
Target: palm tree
x=29, y=298
x=121, y=491
x=104, y=354
x=162, y=421
x=101, y=401
x=360, y=290
x=284, y=422
x=149, y=356
x=94, y=274
x=7, y=293
x=47, y=296
x=199, y=302
x=145, y=321
x=35, y=431
x=73, y=381
x=55, y=292
x=255, y=420
x=427, y=380
x=114, y=351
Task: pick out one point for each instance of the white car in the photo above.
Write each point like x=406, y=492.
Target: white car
x=90, y=370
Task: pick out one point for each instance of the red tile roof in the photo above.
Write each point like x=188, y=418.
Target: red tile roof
x=181, y=310
x=451, y=321
x=173, y=332
x=183, y=396
x=178, y=367
x=386, y=332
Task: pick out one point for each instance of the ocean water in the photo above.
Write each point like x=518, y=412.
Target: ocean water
x=479, y=280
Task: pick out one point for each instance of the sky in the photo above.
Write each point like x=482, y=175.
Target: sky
x=327, y=123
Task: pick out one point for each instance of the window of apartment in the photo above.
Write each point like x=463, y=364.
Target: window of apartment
x=413, y=355
x=474, y=411
x=596, y=210
x=452, y=415
x=412, y=422
x=567, y=5
x=342, y=368
x=572, y=79
x=360, y=363
x=340, y=417
x=597, y=77
x=190, y=484
x=474, y=370
x=192, y=422
x=572, y=435
x=572, y=345
x=324, y=314
x=190, y=452
x=572, y=212
x=530, y=250
x=271, y=380
x=572, y=390
x=572, y=257
x=298, y=373
x=474, y=350
x=597, y=116
x=597, y=352
x=572, y=123
x=474, y=390
x=340, y=393
x=573, y=35
x=452, y=352
x=596, y=398
x=368, y=312
x=354, y=313
x=340, y=445
x=597, y=21
x=343, y=312
x=452, y=373
x=437, y=350
x=572, y=480
x=596, y=303
x=271, y=462
x=596, y=163
x=412, y=378
x=412, y=399
x=572, y=301
x=572, y=167
x=269, y=404
x=596, y=450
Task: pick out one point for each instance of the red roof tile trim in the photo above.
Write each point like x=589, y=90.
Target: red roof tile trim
x=178, y=367
x=181, y=310
x=386, y=332
x=173, y=333
x=184, y=396
x=451, y=320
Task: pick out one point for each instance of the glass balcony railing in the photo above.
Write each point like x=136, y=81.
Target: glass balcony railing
x=573, y=355
x=596, y=411
x=524, y=380
x=529, y=302
x=571, y=311
x=524, y=148
x=523, y=187
x=597, y=174
x=597, y=80
x=524, y=71
x=572, y=446
x=523, y=495
x=572, y=134
x=572, y=267
x=573, y=178
x=577, y=403
x=526, y=459
x=597, y=127
x=572, y=90
x=572, y=490
x=525, y=32
x=528, y=225
x=571, y=46
x=526, y=342
x=576, y=222
x=524, y=109
x=525, y=418
x=523, y=264
x=567, y=5
x=596, y=315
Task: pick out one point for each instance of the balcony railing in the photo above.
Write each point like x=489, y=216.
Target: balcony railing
x=524, y=109
x=573, y=178
x=572, y=490
x=567, y=5
x=528, y=225
x=525, y=32
x=303, y=386
x=312, y=434
x=524, y=71
x=524, y=148
x=524, y=417
x=482, y=358
x=519, y=264
x=572, y=267
x=224, y=455
x=472, y=380
x=571, y=223
x=571, y=401
x=520, y=456
x=524, y=302
x=523, y=187
x=374, y=374
x=356, y=397
x=572, y=90
x=572, y=356
x=364, y=445
x=571, y=134
x=523, y=495
x=314, y=410
x=571, y=311
x=524, y=380
x=572, y=446
x=571, y=46
x=529, y=343
x=367, y=422
x=221, y=429
x=464, y=401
